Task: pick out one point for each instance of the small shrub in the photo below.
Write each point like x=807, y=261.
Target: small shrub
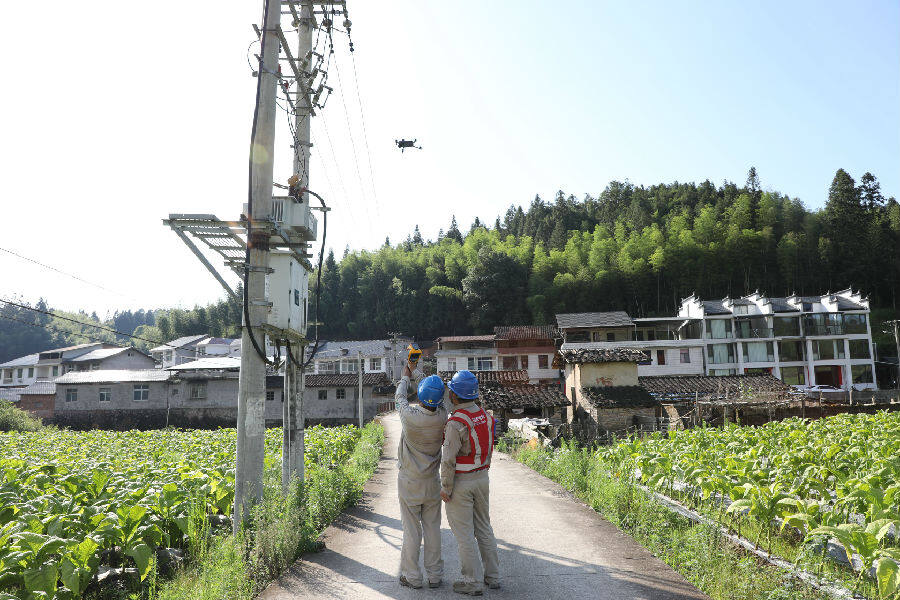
x=15, y=419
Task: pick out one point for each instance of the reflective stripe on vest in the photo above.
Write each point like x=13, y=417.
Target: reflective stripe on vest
x=481, y=440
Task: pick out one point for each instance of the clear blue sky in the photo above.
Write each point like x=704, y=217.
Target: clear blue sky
x=127, y=114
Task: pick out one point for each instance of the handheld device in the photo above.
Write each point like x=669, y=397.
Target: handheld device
x=413, y=354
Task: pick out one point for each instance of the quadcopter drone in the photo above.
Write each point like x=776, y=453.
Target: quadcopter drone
x=404, y=144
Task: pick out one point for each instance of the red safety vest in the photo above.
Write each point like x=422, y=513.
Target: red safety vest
x=481, y=440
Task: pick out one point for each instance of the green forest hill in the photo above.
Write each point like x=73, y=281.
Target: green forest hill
x=638, y=249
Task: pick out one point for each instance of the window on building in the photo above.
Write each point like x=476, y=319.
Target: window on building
x=349, y=366
x=543, y=361
x=610, y=337
x=861, y=373
x=19, y=373
x=197, y=390
x=721, y=372
x=470, y=363
x=791, y=351
x=323, y=394
x=685, y=355
x=793, y=375
x=755, y=352
x=327, y=367
x=784, y=326
x=660, y=357
x=523, y=361
x=168, y=356
x=54, y=371
x=340, y=394
x=95, y=366
x=451, y=364
x=485, y=363
x=374, y=364
x=828, y=349
x=596, y=336
x=718, y=329
x=71, y=394
x=859, y=349
x=296, y=297
x=855, y=324
x=141, y=392
x=720, y=353
x=270, y=395
x=105, y=394
x=510, y=362
x=30, y=372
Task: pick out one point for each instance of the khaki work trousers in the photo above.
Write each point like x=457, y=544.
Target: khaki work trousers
x=469, y=517
x=420, y=513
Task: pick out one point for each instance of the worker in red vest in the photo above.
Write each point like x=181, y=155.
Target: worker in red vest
x=465, y=487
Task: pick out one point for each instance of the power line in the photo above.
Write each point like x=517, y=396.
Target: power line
x=337, y=167
x=350, y=133
x=61, y=272
x=95, y=326
x=54, y=329
x=362, y=118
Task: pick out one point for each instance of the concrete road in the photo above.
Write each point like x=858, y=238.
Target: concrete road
x=552, y=546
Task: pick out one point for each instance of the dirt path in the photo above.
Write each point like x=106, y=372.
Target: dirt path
x=551, y=546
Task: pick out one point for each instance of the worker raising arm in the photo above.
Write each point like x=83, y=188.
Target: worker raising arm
x=418, y=484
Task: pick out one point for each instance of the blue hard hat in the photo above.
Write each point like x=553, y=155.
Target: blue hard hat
x=465, y=385
x=431, y=391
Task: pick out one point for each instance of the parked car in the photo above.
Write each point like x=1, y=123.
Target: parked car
x=813, y=391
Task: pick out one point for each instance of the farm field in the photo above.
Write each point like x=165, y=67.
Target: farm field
x=74, y=505
x=787, y=486
x=836, y=478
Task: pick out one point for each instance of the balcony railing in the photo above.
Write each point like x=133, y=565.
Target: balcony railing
x=754, y=332
x=727, y=335
x=824, y=329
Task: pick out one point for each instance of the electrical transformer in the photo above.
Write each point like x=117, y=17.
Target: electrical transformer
x=287, y=289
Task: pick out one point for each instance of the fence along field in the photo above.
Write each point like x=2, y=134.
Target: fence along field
x=836, y=478
x=74, y=505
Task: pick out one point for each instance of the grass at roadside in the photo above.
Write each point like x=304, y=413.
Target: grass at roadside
x=696, y=551
x=282, y=528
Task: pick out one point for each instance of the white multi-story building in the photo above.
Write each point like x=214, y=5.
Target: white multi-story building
x=801, y=340
x=178, y=351
x=378, y=356
x=467, y=352
x=50, y=364
x=673, y=344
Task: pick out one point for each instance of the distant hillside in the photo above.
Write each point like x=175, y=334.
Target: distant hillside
x=634, y=248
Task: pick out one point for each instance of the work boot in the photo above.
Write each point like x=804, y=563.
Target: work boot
x=407, y=583
x=434, y=584
x=494, y=584
x=471, y=589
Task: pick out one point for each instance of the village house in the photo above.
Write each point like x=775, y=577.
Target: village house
x=202, y=393
x=38, y=399
x=378, y=356
x=673, y=346
x=49, y=364
x=811, y=340
x=178, y=351
x=603, y=387
x=530, y=348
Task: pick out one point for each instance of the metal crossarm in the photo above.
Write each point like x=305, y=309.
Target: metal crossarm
x=229, y=240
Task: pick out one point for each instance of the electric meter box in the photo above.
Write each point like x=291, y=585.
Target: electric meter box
x=287, y=289
x=296, y=217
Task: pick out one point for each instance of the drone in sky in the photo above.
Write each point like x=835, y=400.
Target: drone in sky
x=404, y=144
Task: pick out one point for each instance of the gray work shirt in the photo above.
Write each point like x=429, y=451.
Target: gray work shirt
x=419, y=453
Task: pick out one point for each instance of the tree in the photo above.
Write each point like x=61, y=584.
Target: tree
x=453, y=233
x=417, y=237
x=494, y=290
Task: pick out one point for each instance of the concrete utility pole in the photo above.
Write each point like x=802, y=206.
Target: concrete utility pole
x=360, y=399
x=294, y=421
x=251, y=425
